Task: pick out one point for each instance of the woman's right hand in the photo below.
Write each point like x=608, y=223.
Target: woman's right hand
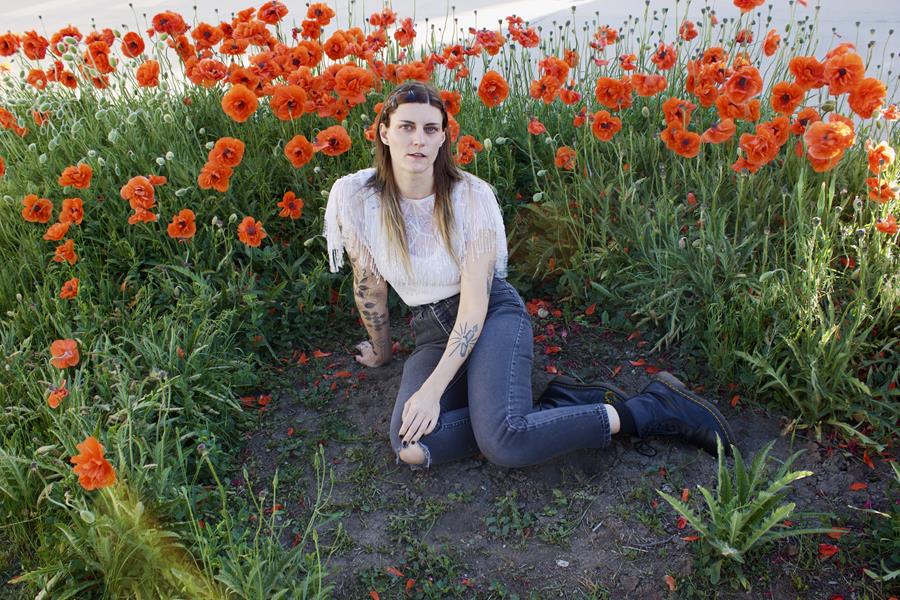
x=369, y=357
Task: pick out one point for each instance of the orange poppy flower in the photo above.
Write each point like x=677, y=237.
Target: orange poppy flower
x=867, y=97
x=806, y=116
x=287, y=102
x=678, y=112
x=206, y=36
x=36, y=210
x=780, y=127
x=69, y=289
x=626, y=62
x=453, y=128
x=891, y=113
x=604, y=125
x=139, y=193
x=825, y=141
x=353, y=83
x=97, y=56
x=681, y=141
x=142, y=216
x=33, y=45
x=535, y=127
x=56, y=232
x=786, y=97
x=169, y=22
x=321, y=13
x=93, y=470
x=213, y=176
x=664, y=58
x=206, y=72
x=37, y=78
x=613, y=93
x=759, y=148
x=743, y=85
x=771, y=43
x=843, y=72
x=546, y=88
x=57, y=394
x=183, y=225
x=730, y=110
x=887, y=225
x=72, y=211
x=565, y=158
x=748, y=5
x=569, y=97
x=228, y=152
x=39, y=117
x=239, y=103
x=579, y=119
x=251, y=232
x=291, y=206
x=648, y=85
x=880, y=157
x=332, y=141
x=132, y=45
x=271, y=12
x=881, y=191
x=78, y=176
x=466, y=148
x=493, y=89
x=147, y=74
x=744, y=37
x=720, y=132
x=452, y=101
x=808, y=72
x=299, y=151
x=64, y=353
x=688, y=31
x=9, y=44
x=65, y=252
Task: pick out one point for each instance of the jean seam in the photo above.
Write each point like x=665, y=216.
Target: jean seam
x=509, y=391
x=438, y=319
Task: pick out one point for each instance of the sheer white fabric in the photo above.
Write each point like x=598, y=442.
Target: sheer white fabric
x=353, y=221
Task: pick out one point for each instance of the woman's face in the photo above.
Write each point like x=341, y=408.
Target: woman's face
x=414, y=136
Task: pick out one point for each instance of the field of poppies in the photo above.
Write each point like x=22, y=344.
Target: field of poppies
x=731, y=188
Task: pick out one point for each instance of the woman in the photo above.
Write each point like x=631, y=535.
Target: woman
x=435, y=233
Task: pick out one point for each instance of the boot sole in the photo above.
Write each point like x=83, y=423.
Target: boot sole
x=569, y=382
x=677, y=386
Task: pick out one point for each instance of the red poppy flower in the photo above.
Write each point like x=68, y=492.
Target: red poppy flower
x=291, y=206
x=604, y=125
x=251, y=232
x=64, y=353
x=69, y=289
x=493, y=89
x=887, y=225
x=36, y=210
x=332, y=141
x=183, y=225
x=93, y=470
x=535, y=127
x=565, y=158
x=78, y=176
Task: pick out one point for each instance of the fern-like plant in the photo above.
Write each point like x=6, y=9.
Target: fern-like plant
x=744, y=513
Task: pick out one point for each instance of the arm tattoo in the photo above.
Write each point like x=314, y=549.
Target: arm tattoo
x=365, y=296
x=463, y=339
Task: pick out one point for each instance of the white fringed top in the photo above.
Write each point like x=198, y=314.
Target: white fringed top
x=352, y=219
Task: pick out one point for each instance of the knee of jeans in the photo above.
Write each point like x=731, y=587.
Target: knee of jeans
x=500, y=448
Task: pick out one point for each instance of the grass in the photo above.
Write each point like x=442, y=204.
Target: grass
x=754, y=277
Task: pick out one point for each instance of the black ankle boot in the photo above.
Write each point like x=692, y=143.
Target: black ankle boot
x=610, y=393
x=666, y=407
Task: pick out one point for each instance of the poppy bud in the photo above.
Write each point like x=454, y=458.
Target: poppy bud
x=170, y=155
x=500, y=141
x=646, y=112
x=364, y=118
x=542, y=173
x=202, y=130
x=112, y=136
x=828, y=106
x=168, y=118
x=160, y=161
x=324, y=193
x=232, y=218
x=92, y=153
x=42, y=158
x=488, y=144
x=538, y=197
x=317, y=170
x=309, y=242
x=210, y=145
x=182, y=192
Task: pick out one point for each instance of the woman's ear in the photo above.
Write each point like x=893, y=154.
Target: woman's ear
x=382, y=130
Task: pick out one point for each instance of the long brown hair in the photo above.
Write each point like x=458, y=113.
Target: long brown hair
x=446, y=173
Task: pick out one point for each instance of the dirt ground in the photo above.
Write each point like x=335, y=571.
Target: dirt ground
x=586, y=525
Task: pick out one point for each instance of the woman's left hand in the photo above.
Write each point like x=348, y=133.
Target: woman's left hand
x=420, y=414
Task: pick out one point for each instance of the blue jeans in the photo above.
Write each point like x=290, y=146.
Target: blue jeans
x=488, y=406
